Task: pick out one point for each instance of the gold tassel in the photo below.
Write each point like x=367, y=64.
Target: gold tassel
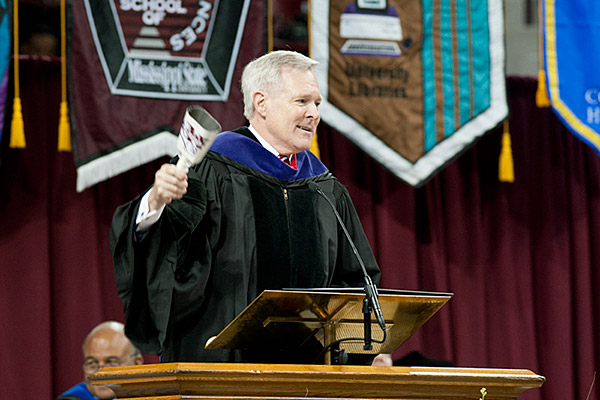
x=314, y=147
x=541, y=95
x=17, y=130
x=269, y=26
x=506, y=170
x=64, y=128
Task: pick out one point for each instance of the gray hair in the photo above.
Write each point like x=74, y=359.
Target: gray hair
x=264, y=73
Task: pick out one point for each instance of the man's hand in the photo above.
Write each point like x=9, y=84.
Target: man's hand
x=170, y=183
x=383, y=360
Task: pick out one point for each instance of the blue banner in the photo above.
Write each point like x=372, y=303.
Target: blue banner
x=571, y=35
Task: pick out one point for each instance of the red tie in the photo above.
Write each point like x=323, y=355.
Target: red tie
x=291, y=160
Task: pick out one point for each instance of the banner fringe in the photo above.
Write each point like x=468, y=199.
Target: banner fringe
x=134, y=155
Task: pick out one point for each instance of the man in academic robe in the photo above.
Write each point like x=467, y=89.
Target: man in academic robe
x=105, y=346
x=192, y=252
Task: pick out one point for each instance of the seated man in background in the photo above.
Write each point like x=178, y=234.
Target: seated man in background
x=105, y=346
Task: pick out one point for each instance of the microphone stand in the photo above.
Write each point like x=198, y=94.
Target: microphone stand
x=371, y=299
x=366, y=309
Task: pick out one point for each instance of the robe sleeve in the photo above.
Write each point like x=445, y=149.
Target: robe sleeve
x=155, y=275
x=348, y=271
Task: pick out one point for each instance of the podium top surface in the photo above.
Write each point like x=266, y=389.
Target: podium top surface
x=291, y=381
x=313, y=318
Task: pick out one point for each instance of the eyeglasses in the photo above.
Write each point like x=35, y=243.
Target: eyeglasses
x=92, y=366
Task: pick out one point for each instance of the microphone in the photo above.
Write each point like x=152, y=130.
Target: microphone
x=370, y=288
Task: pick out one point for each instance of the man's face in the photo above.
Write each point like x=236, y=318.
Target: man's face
x=292, y=113
x=107, y=348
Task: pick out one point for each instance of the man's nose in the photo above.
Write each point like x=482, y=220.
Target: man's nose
x=313, y=111
x=101, y=364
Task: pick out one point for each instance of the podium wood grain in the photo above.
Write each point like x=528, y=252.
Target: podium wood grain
x=282, y=381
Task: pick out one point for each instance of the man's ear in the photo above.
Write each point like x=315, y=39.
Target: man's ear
x=260, y=103
x=139, y=360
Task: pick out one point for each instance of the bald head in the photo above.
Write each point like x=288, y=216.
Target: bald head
x=109, y=326
x=107, y=346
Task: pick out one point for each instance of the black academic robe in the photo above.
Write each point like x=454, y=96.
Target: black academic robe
x=247, y=223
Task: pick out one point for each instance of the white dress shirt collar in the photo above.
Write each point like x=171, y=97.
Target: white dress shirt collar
x=262, y=141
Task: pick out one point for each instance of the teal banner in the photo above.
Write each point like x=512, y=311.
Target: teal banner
x=411, y=83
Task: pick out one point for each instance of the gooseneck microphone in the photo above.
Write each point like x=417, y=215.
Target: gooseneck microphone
x=370, y=288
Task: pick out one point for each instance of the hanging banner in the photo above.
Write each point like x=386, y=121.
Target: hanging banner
x=571, y=37
x=5, y=39
x=411, y=83
x=135, y=66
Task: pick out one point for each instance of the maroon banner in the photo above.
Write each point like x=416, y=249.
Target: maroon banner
x=136, y=66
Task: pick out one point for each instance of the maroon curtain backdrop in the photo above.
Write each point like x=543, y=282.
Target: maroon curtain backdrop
x=521, y=258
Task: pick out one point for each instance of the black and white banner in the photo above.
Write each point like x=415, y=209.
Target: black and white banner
x=136, y=65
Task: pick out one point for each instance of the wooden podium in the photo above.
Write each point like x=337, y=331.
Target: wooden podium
x=172, y=381
x=292, y=318
x=309, y=319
